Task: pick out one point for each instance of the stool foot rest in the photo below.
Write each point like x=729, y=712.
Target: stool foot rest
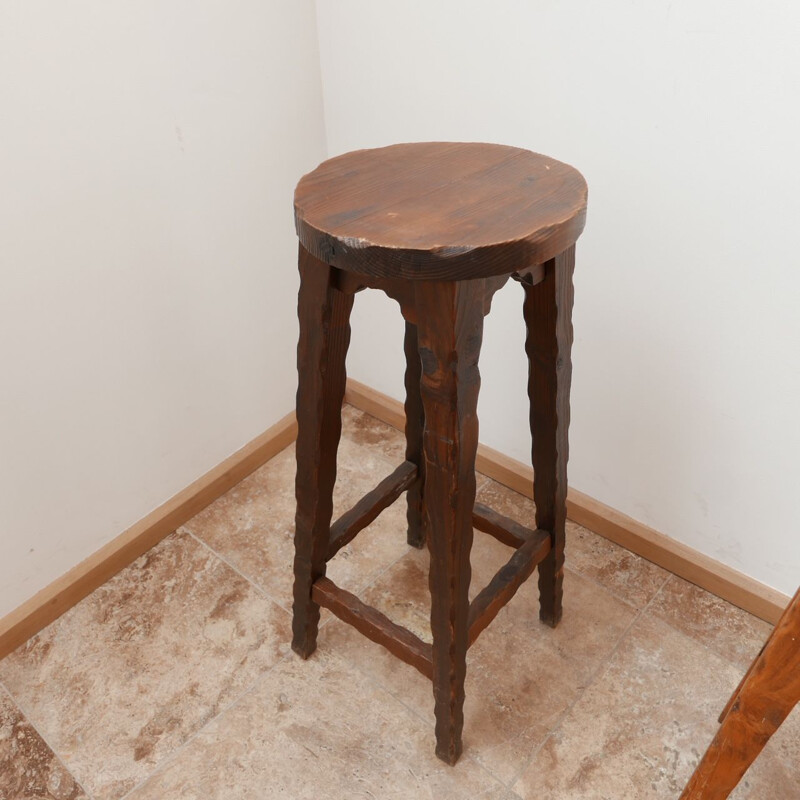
x=486, y=605
x=504, y=529
x=366, y=510
x=395, y=638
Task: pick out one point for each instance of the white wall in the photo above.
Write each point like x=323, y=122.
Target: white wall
x=684, y=118
x=148, y=153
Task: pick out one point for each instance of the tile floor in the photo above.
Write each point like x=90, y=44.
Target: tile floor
x=175, y=679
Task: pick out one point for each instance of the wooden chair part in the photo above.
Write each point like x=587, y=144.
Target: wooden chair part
x=763, y=700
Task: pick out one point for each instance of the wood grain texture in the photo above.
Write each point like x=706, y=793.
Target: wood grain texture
x=531, y=275
x=548, y=319
x=375, y=626
x=50, y=603
x=367, y=509
x=324, y=314
x=450, y=332
x=415, y=422
x=440, y=210
x=766, y=696
x=503, y=528
x=503, y=586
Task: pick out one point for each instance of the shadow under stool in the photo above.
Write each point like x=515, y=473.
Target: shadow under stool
x=439, y=227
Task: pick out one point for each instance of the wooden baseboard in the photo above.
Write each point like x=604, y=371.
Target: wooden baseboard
x=690, y=564
x=52, y=601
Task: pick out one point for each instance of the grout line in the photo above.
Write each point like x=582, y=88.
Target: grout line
x=670, y=576
x=380, y=456
x=590, y=578
x=268, y=596
x=481, y=481
x=232, y=566
x=26, y=716
x=661, y=589
x=248, y=690
x=598, y=673
x=699, y=642
x=606, y=590
x=376, y=684
x=162, y=765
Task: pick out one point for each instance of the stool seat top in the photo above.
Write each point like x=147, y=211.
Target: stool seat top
x=439, y=210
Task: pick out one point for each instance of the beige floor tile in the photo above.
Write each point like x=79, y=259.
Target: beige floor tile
x=368, y=431
x=127, y=675
x=521, y=675
x=135, y=679
x=639, y=730
x=628, y=576
x=252, y=525
x=29, y=769
x=316, y=729
x=727, y=630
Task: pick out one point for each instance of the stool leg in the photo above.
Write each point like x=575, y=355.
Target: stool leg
x=548, y=318
x=769, y=692
x=415, y=420
x=324, y=314
x=450, y=329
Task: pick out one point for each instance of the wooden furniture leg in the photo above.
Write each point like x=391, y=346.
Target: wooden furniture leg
x=450, y=329
x=415, y=420
x=324, y=314
x=548, y=319
x=769, y=692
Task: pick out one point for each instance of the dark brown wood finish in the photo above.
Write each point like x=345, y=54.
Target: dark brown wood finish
x=450, y=330
x=487, y=604
x=503, y=528
x=367, y=509
x=415, y=422
x=532, y=275
x=438, y=227
x=324, y=314
x=400, y=290
x=374, y=625
x=440, y=210
x=548, y=319
x=761, y=702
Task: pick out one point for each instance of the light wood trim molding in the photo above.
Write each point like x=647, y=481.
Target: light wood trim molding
x=379, y=405
x=688, y=563
x=52, y=601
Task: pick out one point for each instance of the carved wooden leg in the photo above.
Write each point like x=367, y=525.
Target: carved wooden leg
x=769, y=692
x=450, y=319
x=324, y=314
x=548, y=318
x=415, y=419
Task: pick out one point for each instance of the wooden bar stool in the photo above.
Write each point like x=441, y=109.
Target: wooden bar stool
x=439, y=227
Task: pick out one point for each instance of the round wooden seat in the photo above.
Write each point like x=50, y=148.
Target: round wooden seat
x=439, y=210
